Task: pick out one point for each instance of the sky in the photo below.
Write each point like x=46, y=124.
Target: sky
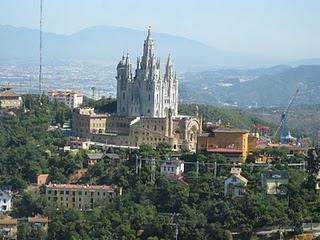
x=275, y=28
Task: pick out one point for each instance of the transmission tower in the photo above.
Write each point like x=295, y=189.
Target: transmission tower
x=40, y=52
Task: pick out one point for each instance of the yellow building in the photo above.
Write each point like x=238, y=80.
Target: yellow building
x=235, y=144
x=86, y=122
x=83, y=197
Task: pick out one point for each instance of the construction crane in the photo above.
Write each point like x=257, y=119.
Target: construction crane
x=285, y=135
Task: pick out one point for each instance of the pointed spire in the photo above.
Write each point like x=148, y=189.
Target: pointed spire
x=138, y=63
x=148, y=52
x=127, y=60
x=149, y=32
x=169, y=69
x=169, y=62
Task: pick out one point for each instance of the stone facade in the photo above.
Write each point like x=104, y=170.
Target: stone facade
x=86, y=122
x=147, y=108
x=146, y=93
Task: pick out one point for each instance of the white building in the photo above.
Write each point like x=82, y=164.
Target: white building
x=146, y=93
x=72, y=99
x=235, y=184
x=174, y=167
x=5, y=201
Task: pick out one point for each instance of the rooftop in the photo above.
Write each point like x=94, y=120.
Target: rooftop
x=64, y=93
x=276, y=174
x=82, y=187
x=8, y=93
x=95, y=155
x=8, y=221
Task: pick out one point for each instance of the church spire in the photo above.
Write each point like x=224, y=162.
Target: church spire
x=169, y=69
x=149, y=33
x=148, y=53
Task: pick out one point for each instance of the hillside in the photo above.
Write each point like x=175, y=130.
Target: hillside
x=256, y=87
x=302, y=118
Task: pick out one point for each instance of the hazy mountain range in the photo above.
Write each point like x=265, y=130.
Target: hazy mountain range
x=253, y=87
x=107, y=44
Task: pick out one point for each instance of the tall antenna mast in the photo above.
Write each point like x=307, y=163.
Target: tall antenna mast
x=40, y=56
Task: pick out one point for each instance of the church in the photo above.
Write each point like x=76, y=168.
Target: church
x=147, y=106
x=147, y=93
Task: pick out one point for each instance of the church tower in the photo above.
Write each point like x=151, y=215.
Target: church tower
x=146, y=94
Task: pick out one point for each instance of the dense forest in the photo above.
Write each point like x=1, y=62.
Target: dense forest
x=147, y=210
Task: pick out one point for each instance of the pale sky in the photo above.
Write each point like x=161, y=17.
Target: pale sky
x=277, y=28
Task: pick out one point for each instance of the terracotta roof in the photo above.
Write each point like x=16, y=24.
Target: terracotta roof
x=8, y=221
x=38, y=219
x=63, y=93
x=82, y=187
x=224, y=150
x=8, y=93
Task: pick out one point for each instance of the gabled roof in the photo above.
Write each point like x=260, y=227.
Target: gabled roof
x=112, y=155
x=94, y=156
x=241, y=178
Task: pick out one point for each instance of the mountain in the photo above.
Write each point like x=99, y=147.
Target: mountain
x=254, y=87
x=107, y=44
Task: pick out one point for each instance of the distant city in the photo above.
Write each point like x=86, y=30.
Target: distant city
x=71, y=75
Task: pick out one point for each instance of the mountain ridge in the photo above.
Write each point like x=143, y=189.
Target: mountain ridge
x=109, y=42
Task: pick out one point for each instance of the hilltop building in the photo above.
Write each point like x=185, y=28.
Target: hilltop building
x=72, y=99
x=147, y=107
x=146, y=93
